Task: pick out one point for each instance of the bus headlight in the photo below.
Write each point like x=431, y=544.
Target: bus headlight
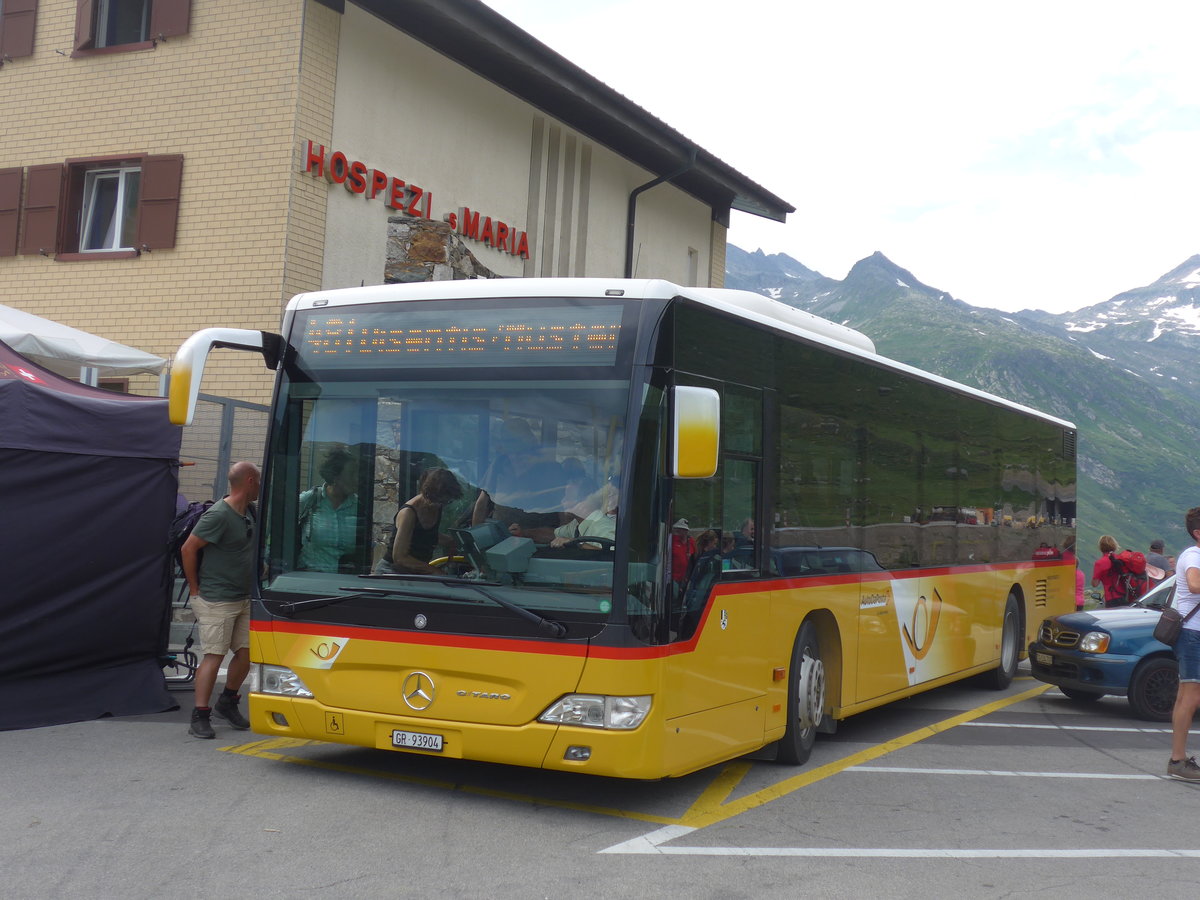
x=279, y=680
x=1094, y=642
x=596, y=711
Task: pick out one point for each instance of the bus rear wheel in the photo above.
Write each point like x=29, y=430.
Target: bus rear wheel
x=806, y=698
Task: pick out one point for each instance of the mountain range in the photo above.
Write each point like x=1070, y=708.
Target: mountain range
x=1123, y=370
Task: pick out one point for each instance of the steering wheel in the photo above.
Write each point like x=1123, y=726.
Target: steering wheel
x=442, y=562
x=605, y=543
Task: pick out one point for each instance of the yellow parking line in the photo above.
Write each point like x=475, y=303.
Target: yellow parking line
x=709, y=808
x=715, y=794
x=711, y=816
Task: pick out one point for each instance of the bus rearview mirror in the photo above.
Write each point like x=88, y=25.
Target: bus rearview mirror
x=696, y=426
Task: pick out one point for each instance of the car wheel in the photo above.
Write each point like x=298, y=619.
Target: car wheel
x=1001, y=676
x=1153, y=687
x=1080, y=696
x=806, y=698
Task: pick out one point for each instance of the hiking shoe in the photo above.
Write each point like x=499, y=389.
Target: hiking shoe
x=1184, y=768
x=201, y=727
x=227, y=709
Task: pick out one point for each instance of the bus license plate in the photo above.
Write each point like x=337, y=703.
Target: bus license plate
x=1044, y=659
x=416, y=740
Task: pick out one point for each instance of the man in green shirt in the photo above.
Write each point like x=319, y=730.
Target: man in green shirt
x=219, y=582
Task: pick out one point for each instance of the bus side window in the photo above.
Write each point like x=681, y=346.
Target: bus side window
x=740, y=538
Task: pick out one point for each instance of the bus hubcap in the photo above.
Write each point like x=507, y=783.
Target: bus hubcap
x=810, y=692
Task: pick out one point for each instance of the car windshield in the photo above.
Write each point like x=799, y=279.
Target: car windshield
x=1160, y=596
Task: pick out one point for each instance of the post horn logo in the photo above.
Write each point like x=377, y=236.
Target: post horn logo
x=927, y=614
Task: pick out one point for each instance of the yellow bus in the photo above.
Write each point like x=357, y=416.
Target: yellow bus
x=693, y=524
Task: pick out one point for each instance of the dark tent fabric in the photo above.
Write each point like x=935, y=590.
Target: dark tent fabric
x=88, y=484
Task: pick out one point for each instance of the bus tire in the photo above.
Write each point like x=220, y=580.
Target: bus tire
x=1010, y=626
x=806, y=698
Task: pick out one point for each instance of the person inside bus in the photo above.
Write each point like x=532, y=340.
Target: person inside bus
x=741, y=554
x=579, y=500
x=418, y=526
x=704, y=570
x=600, y=523
x=329, y=515
x=704, y=567
x=522, y=475
x=683, y=552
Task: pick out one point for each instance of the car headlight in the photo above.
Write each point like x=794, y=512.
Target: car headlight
x=265, y=679
x=596, y=711
x=1094, y=642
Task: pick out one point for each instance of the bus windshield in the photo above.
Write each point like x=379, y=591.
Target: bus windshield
x=532, y=457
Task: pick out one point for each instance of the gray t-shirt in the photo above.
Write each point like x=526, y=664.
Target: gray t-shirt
x=1154, y=558
x=227, y=566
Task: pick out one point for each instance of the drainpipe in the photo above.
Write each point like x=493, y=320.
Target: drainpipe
x=633, y=195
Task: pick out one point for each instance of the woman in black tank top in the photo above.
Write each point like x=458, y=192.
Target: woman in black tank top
x=418, y=523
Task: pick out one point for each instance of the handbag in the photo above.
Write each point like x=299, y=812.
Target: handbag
x=1170, y=625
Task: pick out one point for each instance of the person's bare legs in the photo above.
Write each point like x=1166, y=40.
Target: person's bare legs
x=206, y=677
x=1186, y=703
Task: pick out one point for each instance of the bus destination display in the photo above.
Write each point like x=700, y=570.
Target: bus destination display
x=545, y=336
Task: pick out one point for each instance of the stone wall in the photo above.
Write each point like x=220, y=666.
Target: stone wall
x=426, y=250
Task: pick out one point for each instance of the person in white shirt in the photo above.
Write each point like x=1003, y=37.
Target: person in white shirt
x=602, y=523
x=1187, y=652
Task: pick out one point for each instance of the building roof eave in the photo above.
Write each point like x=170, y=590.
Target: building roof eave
x=480, y=39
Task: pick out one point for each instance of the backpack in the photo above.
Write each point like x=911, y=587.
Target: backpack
x=181, y=526
x=1129, y=567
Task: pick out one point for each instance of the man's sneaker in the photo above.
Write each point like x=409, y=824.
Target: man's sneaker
x=228, y=710
x=1184, y=768
x=201, y=727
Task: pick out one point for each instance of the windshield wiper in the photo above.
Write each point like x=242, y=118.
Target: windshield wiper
x=289, y=607
x=545, y=625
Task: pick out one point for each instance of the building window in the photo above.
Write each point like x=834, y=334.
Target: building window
x=104, y=26
x=93, y=208
x=108, y=219
x=122, y=22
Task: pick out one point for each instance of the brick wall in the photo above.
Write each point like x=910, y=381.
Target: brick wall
x=230, y=96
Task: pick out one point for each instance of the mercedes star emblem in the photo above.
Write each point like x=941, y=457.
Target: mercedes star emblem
x=419, y=691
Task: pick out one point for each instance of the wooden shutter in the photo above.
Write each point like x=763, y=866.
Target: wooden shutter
x=158, y=203
x=10, y=207
x=17, y=18
x=169, y=18
x=85, y=24
x=43, y=199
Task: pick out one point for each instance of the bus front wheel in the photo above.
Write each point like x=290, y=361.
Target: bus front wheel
x=806, y=698
x=1010, y=627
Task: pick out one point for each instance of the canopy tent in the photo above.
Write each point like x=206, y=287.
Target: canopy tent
x=88, y=481
x=66, y=350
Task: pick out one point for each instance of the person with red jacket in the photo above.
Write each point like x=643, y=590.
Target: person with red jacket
x=1109, y=575
x=683, y=548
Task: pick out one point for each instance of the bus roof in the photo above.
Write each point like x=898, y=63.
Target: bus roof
x=743, y=304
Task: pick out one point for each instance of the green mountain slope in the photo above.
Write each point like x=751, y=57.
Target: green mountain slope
x=1139, y=465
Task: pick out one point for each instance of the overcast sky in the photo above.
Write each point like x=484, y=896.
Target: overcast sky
x=1020, y=155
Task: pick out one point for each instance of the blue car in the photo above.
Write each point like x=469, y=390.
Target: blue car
x=1087, y=655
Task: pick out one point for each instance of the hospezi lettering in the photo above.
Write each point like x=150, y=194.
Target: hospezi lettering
x=411, y=199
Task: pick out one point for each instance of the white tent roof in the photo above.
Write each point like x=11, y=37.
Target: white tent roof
x=66, y=350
